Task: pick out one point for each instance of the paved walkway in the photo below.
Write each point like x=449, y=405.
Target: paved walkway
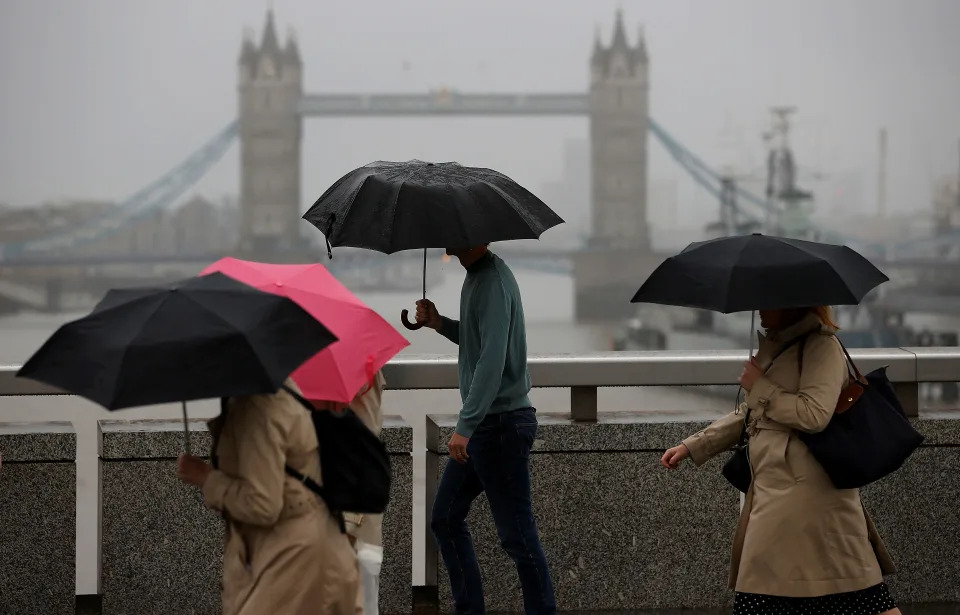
x=90, y=606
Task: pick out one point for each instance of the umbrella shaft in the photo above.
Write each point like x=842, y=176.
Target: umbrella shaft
x=186, y=429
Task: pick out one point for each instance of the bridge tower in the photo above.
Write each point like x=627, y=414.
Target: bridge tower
x=270, y=85
x=618, y=254
x=619, y=112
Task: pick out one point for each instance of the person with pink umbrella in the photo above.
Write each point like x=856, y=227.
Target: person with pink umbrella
x=346, y=373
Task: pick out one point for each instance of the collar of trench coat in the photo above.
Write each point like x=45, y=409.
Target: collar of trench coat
x=770, y=343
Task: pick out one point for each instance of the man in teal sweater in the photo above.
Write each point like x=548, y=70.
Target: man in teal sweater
x=490, y=450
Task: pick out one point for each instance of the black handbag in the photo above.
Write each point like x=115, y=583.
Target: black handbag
x=737, y=468
x=869, y=435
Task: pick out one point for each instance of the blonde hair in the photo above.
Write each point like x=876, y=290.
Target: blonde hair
x=825, y=314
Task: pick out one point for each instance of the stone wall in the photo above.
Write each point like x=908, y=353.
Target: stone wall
x=621, y=532
x=917, y=512
x=161, y=548
x=38, y=519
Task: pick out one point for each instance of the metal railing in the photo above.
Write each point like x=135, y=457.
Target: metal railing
x=585, y=373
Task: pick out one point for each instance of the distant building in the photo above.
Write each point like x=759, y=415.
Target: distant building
x=198, y=226
x=946, y=203
x=22, y=224
x=201, y=227
x=569, y=196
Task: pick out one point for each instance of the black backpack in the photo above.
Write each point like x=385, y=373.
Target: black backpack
x=354, y=463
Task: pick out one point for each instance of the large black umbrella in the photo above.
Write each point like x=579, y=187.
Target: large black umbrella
x=200, y=338
x=757, y=272
x=393, y=206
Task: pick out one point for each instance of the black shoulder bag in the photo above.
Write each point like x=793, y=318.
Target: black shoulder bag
x=869, y=435
x=737, y=468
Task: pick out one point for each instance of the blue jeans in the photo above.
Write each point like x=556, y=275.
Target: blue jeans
x=499, y=452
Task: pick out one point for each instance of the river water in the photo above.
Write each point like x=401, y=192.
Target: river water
x=548, y=302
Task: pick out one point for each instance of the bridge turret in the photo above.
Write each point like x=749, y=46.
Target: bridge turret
x=619, y=106
x=270, y=86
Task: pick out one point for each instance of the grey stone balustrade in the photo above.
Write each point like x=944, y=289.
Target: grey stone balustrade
x=620, y=532
x=38, y=518
x=161, y=549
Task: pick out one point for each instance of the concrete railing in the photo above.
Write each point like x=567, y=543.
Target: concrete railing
x=600, y=470
x=585, y=373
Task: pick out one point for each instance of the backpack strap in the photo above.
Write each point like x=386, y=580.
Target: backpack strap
x=305, y=480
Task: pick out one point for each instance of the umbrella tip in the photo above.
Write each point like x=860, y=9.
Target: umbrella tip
x=278, y=283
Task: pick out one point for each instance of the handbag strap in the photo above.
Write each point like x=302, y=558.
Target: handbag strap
x=852, y=370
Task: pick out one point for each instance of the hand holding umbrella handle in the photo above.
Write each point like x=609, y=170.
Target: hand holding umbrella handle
x=404, y=314
x=413, y=326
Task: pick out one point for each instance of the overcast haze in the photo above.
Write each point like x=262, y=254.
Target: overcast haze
x=99, y=97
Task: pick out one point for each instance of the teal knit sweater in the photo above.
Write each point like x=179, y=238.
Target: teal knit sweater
x=492, y=337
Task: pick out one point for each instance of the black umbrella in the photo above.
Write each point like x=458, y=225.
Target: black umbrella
x=758, y=272
x=199, y=338
x=393, y=206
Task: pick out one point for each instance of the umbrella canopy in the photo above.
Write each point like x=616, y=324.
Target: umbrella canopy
x=393, y=206
x=365, y=341
x=757, y=272
x=195, y=339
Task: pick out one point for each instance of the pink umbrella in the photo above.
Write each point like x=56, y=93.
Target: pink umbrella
x=365, y=340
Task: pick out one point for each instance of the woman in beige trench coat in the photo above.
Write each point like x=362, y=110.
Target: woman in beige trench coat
x=802, y=545
x=284, y=552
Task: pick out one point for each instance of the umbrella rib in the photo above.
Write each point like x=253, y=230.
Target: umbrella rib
x=126, y=303
x=733, y=268
x=349, y=210
x=512, y=203
x=461, y=222
x=336, y=366
x=246, y=340
x=395, y=203
x=126, y=349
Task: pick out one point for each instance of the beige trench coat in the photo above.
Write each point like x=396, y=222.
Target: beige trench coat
x=366, y=405
x=798, y=535
x=367, y=528
x=284, y=552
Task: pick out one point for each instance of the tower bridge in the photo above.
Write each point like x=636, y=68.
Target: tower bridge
x=273, y=104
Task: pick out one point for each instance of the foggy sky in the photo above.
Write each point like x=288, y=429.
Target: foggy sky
x=100, y=97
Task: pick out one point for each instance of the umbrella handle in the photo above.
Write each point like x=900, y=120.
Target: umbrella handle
x=404, y=314
x=404, y=317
